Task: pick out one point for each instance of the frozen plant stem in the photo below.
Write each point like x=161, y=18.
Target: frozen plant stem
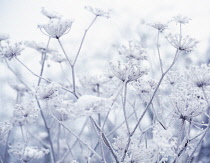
x=148, y=105
x=158, y=49
x=124, y=107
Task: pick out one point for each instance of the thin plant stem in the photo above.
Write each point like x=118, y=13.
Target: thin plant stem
x=158, y=49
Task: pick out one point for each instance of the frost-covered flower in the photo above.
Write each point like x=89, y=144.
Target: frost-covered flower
x=181, y=19
x=3, y=37
x=56, y=27
x=200, y=75
x=11, y=50
x=187, y=103
x=164, y=140
x=98, y=12
x=49, y=91
x=4, y=129
x=50, y=14
x=40, y=47
x=186, y=44
x=27, y=154
x=174, y=78
x=159, y=26
x=87, y=105
x=134, y=50
x=144, y=88
x=24, y=114
x=128, y=71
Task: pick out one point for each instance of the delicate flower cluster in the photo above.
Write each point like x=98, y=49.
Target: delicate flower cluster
x=98, y=12
x=24, y=114
x=200, y=75
x=3, y=37
x=144, y=88
x=159, y=26
x=187, y=103
x=138, y=152
x=181, y=19
x=50, y=14
x=87, y=105
x=164, y=140
x=11, y=50
x=133, y=51
x=40, y=47
x=27, y=154
x=174, y=78
x=56, y=27
x=4, y=129
x=49, y=91
x=181, y=43
x=128, y=71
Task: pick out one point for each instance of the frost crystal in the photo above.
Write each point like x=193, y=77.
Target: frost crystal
x=56, y=27
x=50, y=14
x=98, y=12
x=27, y=154
x=181, y=43
x=10, y=50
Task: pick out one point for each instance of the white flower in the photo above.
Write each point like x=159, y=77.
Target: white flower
x=40, y=47
x=10, y=50
x=181, y=43
x=50, y=14
x=3, y=37
x=49, y=91
x=4, y=129
x=159, y=26
x=98, y=12
x=128, y=71
x=24, y=114
x=134, y=50
x=56, y=27
x=181, y=19
x=27, y=154
x=87, y=105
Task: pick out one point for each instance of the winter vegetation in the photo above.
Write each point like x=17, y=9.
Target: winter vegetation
x=139, y=110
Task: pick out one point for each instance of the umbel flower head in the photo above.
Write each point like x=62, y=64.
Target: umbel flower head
x=98, y=12
x=11, y=50
x=50, y=14
x=181, y=19
x=134, y=50
x=159, y=26
x=186, y=44
x=56, y=27
x=128, y=71
x=27, y=154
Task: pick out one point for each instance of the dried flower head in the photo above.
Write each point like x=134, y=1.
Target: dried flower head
x=159, y=26
x=134, y=50
x=50, y=14
x=4, y=129
x=49, y=91
x=11, y=50
x=98, y=12
x=56, y=27
x=128, y=71
x=186, y=44
x=27, y=154
x=24, y=114
x=200, y=75
x=40, y=47
x=3, y=37
x=181, y=19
